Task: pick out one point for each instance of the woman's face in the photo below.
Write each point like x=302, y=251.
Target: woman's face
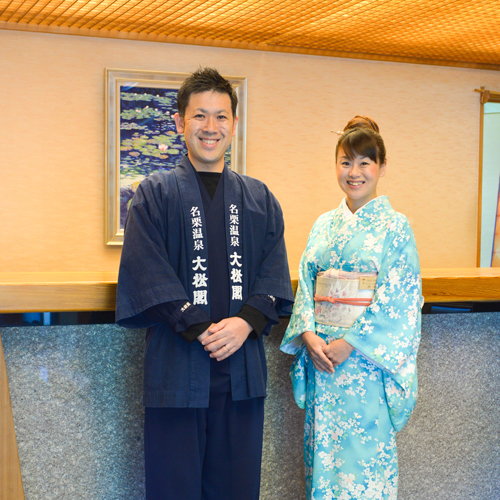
x=358, y=179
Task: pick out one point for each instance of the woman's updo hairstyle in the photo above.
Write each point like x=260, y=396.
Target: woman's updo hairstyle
x=361, y=138
x=362, y=122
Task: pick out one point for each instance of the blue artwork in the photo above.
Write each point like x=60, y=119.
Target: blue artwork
x=149, y=141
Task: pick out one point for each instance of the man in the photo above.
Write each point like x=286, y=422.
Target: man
x=204, y=268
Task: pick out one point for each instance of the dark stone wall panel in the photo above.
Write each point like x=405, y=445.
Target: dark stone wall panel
x=76, y=397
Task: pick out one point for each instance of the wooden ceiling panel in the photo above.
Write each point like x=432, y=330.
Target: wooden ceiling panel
x=448, y=32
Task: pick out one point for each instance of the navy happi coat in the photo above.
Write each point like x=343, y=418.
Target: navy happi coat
x=164, y=258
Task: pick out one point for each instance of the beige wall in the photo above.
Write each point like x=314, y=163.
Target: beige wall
x=52, y=142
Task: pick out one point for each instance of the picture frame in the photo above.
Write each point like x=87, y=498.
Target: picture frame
x=141, y=137
x=488, y=226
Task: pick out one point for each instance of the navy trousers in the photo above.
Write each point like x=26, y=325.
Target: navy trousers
x=205, y=453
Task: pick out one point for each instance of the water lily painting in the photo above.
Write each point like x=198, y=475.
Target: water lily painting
x=142, y=139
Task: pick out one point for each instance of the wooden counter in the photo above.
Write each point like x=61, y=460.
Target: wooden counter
x=96, y=291
x=59, y=292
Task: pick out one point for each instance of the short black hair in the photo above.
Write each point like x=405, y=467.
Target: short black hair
x=203, y=80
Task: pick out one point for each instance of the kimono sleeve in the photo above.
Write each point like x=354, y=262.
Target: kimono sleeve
x=388, y=332
x=146, y=276
x=302, y=318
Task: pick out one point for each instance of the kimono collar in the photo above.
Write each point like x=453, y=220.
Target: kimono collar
x=378, y=202
x=346, y=226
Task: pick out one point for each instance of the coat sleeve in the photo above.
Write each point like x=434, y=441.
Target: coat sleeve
x=273, y=274
x=146, y=276
x=388, y=331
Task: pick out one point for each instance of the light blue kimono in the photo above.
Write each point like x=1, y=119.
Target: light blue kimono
x=353, y=414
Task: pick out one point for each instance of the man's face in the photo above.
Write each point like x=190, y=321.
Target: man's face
x=208, y=127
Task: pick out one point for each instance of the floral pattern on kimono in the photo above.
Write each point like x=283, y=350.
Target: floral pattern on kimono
x=353, y=414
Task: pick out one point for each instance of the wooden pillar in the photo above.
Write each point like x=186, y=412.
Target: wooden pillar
x=11, y=483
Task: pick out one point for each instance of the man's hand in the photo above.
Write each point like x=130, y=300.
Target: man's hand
x=315, y=346
x=205, y=334
x=338, y=351
x=225, y=337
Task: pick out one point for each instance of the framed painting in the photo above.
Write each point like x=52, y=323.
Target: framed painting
x=488, y=254
x=141, y=137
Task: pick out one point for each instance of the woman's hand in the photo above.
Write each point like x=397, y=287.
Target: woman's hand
x=315, y=346
x=338, y=351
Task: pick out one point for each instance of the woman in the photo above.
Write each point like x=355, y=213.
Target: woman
x=355, y=330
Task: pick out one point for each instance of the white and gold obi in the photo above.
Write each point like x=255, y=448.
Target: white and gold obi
x=341, y=296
